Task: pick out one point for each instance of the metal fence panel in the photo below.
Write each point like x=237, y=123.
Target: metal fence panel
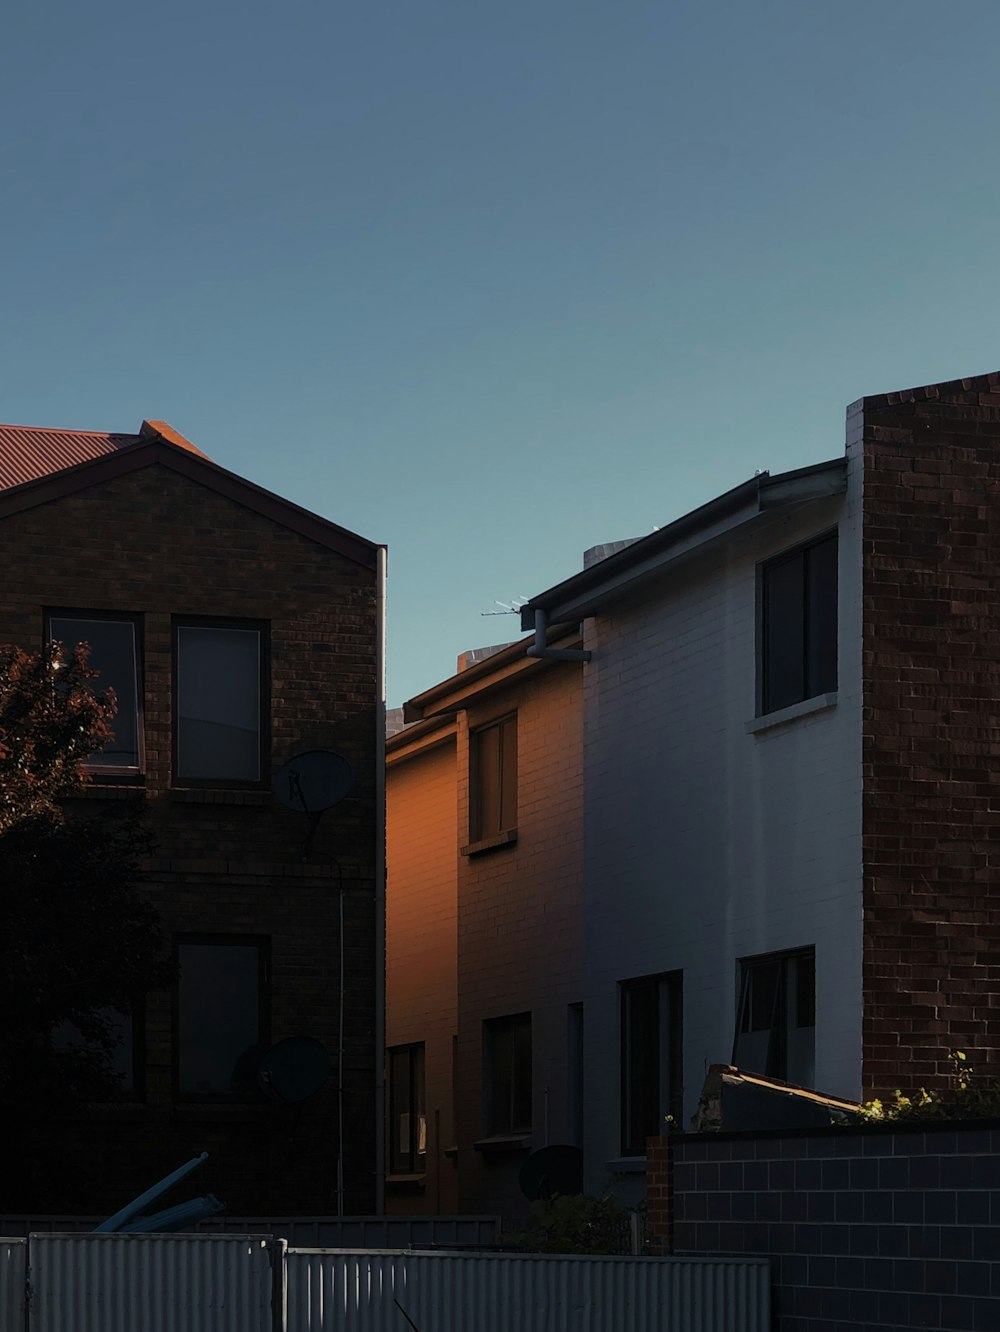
x=355, y=1292
x=13, y=1273
x=152, y=1283
x=332, y=1292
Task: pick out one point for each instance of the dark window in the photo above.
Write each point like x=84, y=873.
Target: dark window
x=219, y=697
x=114, y=654
x=407, y=1116
x=493, y=779
x=574, y=1074
x=222, y=1007
x=112, y=1052
x=776, y=1017
x=507, y=1049
x=650, y=1058
x=798, y=625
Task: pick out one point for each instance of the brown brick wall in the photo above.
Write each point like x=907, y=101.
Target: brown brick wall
x=421, y=962
x=931, y=641
x=155, y=543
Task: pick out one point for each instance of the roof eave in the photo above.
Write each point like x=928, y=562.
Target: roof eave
x=585, y=592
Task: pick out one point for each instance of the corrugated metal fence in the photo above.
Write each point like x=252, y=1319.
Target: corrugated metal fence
x=13, y=1273
x=226, y=1283
x=377, y=1292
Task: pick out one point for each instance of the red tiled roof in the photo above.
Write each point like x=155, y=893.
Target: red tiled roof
x=28, y=452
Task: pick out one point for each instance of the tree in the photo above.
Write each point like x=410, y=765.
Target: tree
x=78, y=943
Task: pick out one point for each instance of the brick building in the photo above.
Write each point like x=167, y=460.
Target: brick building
x=483, y=945
x=788, y=810
x=238, y=631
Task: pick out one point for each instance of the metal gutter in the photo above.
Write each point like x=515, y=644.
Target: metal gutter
x=583, y=593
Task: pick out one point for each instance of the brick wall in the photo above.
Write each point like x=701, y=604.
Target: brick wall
x=866, y=1228
x=421, y=947
x=931, y=728
x=156, y=543
x=519, y=924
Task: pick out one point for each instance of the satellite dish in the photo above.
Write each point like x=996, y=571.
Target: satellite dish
x=294, y=1069
x=552, y=1170
x=313, y=781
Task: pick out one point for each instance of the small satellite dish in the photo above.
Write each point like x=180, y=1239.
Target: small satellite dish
x=313, y=781
x=552, y=1170
x=294, y=1069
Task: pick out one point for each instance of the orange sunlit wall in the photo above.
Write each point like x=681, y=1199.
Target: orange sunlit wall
x=421, y=925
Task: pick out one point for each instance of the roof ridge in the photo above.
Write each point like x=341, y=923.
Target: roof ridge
x=67, y=430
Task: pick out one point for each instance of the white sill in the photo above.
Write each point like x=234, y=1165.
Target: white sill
x=627, y=1165
x=806, y=708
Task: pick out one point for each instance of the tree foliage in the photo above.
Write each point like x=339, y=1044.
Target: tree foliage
x=77, y=940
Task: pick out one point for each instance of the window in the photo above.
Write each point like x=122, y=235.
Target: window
x=507, y=1052
x=493, y=780
x=776, y=1017
x=798, y=625
x=114, y=654
x=221, y=1012
x=574, y=1074
x=650, y=1058
x=219, y=731
x=407, y=1116
x=116, y=1069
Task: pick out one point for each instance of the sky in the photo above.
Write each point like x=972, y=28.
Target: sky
x=493, y=283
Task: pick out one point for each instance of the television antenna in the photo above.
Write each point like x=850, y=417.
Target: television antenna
x=507, y=608
x=312, y=783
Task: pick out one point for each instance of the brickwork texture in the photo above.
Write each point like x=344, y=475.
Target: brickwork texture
x=155, y=543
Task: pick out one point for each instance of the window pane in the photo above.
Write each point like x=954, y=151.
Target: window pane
x=218, y=703
x=508, y=775
x=776, y=1024
x=783, y=629
x=113, y=655
x=821, y=617
x=486, y=822
x=407, y=1118
x=218, y=1018
x=641, y=1064
x=507, y=1049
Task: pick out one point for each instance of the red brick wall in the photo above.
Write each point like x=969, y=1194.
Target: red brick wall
x=931, y=642
x=156, y=543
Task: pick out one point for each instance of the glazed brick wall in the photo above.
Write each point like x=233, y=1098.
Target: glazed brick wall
x=157, y=544
x=888, y=1230
x=421, y=950
x=931, y=729
x=519, y=923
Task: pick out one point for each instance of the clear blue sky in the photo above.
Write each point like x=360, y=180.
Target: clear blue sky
x=494, y=282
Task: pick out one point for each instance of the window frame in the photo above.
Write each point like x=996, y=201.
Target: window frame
x=263, y=630
x=494, y=1030
x=669, y=988
x=115, y=773
x=506, y=785
x=815, y=689
x=415, y=1162
x=262, y=942
x=776, y=1060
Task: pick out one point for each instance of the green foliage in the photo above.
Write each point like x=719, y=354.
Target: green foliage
x=576, y=1224
x=968, y=1096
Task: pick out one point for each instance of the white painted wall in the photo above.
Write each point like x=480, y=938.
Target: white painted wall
x=704, y=844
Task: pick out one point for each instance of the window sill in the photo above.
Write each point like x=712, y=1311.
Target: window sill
x=406, y=1183
x=627, y=1165
x=807, y=708
x=112, y=791
x=504, y=1142
x=198, y=795
x=490, y=843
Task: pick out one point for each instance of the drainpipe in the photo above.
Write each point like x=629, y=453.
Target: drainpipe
x=540, y=647
x=379, y=885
